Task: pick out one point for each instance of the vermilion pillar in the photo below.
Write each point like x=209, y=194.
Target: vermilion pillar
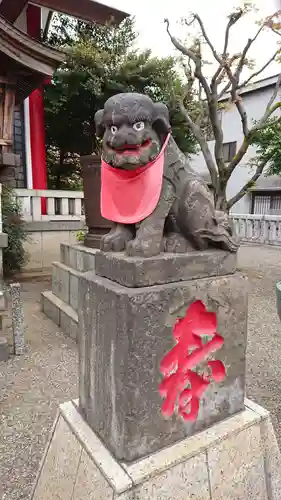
x=37, y=139
x=36, y=112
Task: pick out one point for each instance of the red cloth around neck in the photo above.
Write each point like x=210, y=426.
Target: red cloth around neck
x=129, y=196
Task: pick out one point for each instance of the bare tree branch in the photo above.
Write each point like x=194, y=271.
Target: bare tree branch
x=221, y=72
x=250, y=42
x=204, y=33
x=260, y=70
x=211, y=94
x=236, y=99
x=230, y=67
x=224, y=90
x=244, y=190
x=243, y=115
x=276, y=31
x=270, y=109
x=201, y=107
x=241, y=63
x=226, y=37
x=194, y=57
x=212, y=98
x=184, y=50
x=189, y=75
x=203, y=144
x=275, y=27
x=233, y=19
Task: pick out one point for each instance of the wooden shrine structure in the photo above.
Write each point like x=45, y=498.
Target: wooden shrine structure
x=24, y=64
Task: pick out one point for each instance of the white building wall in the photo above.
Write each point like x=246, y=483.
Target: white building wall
x=255, y=104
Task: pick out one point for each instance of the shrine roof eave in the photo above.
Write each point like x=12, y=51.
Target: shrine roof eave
x=27, y=52
x=86, y=10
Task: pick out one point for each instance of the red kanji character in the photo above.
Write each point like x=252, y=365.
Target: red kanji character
x=190, y=350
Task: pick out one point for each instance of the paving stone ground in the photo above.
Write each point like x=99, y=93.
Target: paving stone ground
x=33, y=385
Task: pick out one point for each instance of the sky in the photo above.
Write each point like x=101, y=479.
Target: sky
x=150, y=15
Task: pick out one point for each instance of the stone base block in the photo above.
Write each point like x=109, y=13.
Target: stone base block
x=62, y=314
x=164, y=268
x=124, y=334
x=65, y=284
x=78, y=257
x=236, y=459
x=61, y=304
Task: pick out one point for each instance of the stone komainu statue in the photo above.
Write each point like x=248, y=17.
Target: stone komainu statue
x=148, y=190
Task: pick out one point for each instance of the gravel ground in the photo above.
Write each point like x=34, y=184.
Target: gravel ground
x=32, y=386
x=263, y=268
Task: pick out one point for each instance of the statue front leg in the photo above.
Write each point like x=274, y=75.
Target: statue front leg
x=149, y=238
x=117, y=238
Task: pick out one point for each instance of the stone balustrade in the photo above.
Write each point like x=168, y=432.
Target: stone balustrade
x=261, y=229
x=65, y=216
x=61, y=205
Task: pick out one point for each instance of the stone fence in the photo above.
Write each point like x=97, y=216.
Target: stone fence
x=60, y=205
x=261, y=229
x=65, y=216
x=59, y=223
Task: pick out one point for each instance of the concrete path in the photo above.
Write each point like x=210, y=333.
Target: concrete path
x=32, y=386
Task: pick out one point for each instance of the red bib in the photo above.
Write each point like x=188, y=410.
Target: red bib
x=129, y=196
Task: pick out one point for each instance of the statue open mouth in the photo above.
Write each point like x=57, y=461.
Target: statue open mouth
x=132, y=149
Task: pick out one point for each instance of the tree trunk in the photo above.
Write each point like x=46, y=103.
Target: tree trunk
x=221, y=201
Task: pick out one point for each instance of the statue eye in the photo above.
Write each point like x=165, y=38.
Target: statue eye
x=138, y=126
x=113, y=129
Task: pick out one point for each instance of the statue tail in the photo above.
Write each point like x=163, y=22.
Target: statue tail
x=220, y=237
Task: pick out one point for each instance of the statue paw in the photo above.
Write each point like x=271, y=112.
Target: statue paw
x=116, y=240
x=143, y=248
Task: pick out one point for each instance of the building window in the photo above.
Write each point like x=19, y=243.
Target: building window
x=260, y=204
x=266, y=203
x=229, y=151
x=275, y=204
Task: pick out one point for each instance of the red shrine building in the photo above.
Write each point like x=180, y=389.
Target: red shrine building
x=26, y=66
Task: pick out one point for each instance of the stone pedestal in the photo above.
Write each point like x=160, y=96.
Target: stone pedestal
x=114, y=443
x=97, y=225
x=61, y=303
x=126, y=313
x=237, y=459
